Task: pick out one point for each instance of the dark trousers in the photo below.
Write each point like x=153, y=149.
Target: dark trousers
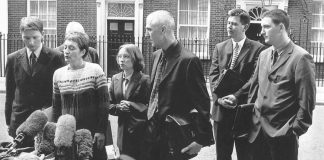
x=224, y=142
x=275, y=148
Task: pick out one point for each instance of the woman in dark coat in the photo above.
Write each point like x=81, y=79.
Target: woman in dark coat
x=129, y=91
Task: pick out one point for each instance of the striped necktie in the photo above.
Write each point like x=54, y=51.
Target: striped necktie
x=235, y=55
x=155, y=94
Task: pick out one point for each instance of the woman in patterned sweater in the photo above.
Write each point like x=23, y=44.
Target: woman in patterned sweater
x=81, y=89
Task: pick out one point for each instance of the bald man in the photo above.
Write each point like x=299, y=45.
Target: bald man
x=91, y=54
x=178, y=87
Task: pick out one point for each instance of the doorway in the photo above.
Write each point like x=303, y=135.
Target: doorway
x=119, y=32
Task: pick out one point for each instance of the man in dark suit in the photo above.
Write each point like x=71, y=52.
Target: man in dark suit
x=29, y=74
x=91, y=55
x=283, y=89
x=239, y=54
x=178, y=87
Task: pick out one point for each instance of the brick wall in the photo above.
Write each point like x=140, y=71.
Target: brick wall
x=300, y=20
x=82, y=11
x=16, y=10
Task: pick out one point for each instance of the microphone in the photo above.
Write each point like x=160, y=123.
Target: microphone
x=44, y=142
x=83, y=140
x=33, y=125
x=63, y=140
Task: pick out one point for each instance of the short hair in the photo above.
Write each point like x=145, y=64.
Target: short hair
x=162, y=17
x=135, y=54
x=278, y=16
x=74, y=27
x=81, y=39
x=31, y=23
x=244, y=16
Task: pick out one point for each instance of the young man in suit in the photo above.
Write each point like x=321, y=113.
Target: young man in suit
x=283, y=90
x=91, y=54
x=178, y=87
x=239, y=54
x=29, y=74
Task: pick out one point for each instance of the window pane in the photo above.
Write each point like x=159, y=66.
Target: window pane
x=316, y=7
x=202, y=32
x=183, y=32
x=193, y=17
x=203, y=5
x=316, y=21
x=183, y=4
x=318, y=35
x=193, y=5
x=128, y=27
x=51, y=24
x=193, y=32
x=203, y=18
x=113, y=26
x=183, y=17
x=33, y=8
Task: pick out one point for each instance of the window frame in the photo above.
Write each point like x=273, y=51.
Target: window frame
x=202, y=53
x=47, y=14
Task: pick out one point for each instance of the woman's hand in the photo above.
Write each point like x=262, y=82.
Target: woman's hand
x=123, y=106
x=99, y=138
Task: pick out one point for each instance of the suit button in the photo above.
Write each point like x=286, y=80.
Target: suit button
x=264, y=97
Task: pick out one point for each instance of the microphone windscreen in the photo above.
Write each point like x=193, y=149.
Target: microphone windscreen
x=83, y=140
x=33, y=124
x=44, y=142
x=65, y=129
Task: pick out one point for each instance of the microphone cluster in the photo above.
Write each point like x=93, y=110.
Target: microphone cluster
x=60, y=140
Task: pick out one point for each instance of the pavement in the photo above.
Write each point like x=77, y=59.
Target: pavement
x=319, y=94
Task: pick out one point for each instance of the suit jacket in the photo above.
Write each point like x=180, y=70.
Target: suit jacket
x=28, y=91
x=138, y=91
x=244, y=66
x=183, y=88
x=284, y=94
x=90, y=56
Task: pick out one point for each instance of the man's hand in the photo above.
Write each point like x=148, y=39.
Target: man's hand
x=192, y=148
x=229, y=101
x=99, y=138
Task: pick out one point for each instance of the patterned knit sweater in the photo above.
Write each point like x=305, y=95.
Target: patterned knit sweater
x=82, y=93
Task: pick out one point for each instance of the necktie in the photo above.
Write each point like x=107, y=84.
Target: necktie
x=274, y=57
x=155, y=94
x=235, y=55
x=32, y=60
x=125, y=83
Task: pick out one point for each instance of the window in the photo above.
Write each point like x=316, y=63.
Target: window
x=318, y=22
x=46, y=11
x=193, y=25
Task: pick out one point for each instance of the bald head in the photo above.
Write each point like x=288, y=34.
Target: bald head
x=74, y=27
x=161, y=18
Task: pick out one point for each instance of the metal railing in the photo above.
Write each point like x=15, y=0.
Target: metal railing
x=107, y=48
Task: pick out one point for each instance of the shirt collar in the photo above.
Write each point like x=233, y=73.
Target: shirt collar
x=37, y=52
x=283, y=49
x=172, y=50
x=128, y=77
x=240, y=43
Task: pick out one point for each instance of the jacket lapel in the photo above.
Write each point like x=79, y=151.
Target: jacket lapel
x=118, y=86
x=282, y=58
x=42, y=60
x=133, y=83
x=228, y=54
x=23, y=60
x=244, y=51
x=171, y=63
